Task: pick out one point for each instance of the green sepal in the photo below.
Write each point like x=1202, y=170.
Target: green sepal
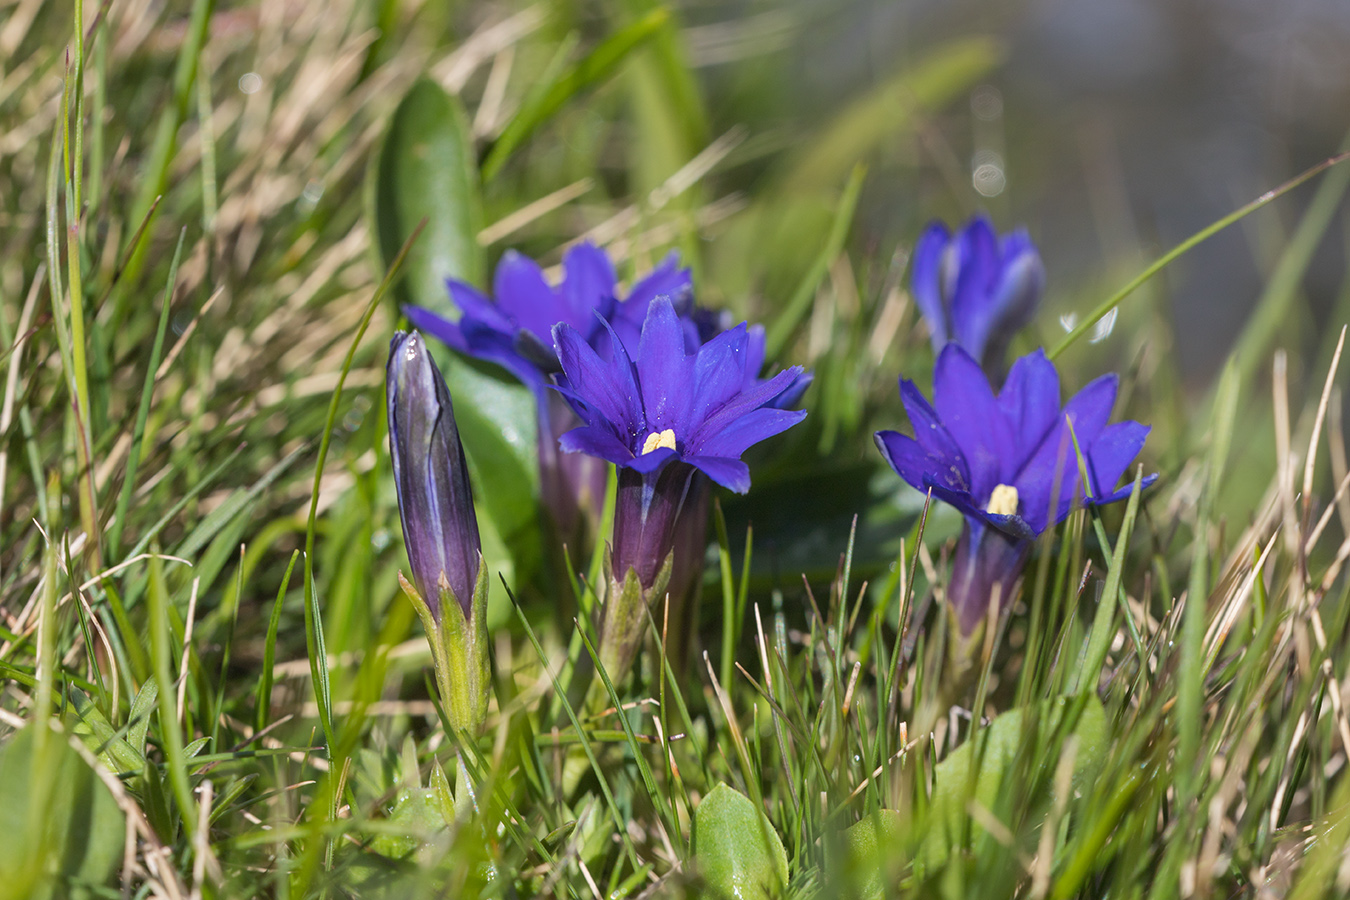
x=459, y=651
x=624, y=619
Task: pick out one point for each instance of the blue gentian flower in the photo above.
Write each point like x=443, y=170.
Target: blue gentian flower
x=516, y=332
x=975, y=288
x=666, y=417
x=1007, y=462
x=703, y=409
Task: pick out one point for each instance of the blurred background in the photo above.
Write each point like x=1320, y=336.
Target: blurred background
x=1112, y=129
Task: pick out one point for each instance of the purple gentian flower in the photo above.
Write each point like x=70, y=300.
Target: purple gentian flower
x=435, y=500
x=975, y=288
x=670, y=408
x=1007, y=462
x=667, y=419
x=516, y=332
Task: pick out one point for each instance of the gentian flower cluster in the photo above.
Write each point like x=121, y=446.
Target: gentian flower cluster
x=975, y=288
x=440, y=530
x=516, y=332
x=663, y=415
x=519, y=332
x=1005, y=459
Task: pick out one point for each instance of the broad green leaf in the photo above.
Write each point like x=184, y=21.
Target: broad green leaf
x=141, y=709
x=425, y=170
x=101, y=738
x=63, y=832
x=876, y=850
x=869, y=852
x=1002, y=741
x=736, y=849
x=418, y=812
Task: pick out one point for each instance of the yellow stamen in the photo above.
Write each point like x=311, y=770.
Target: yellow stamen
x=655, y=441
x=1003, y=501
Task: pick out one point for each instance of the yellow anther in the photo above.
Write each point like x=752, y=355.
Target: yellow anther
x=1003, y=501
x=657, y=440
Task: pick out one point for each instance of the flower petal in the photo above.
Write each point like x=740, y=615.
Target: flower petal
x=587, y=286
x=596, y=440
x=1055, y=461
x=1111, y=454
x=1030, y=401
x=756, y=347
x=607, y=388
x=973, y=310
x=665, y=376
x=1124, y=492
x=440, y=328
x=652, y=460
x=524, y=295
x=792, y=394
x=1020, y=285
x=915, y=465
x=925, y=281
x=1013, y=526
x=739, y=405
x=750, y=429
x=1091, y=407
x=731, y=474
x=928, y=429
x=959, y=500
x=966, y=405
x=719, y=372
x=475, y=339
x=667, y=279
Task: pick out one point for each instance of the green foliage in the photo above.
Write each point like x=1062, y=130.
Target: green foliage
x=736, y=850
x=63, y=830
x=425, y=171
x=201, y=210
x=960, y=780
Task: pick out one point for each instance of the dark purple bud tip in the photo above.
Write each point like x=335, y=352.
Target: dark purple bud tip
x=435, y=501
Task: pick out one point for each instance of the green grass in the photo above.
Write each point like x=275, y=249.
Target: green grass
x=212, y=685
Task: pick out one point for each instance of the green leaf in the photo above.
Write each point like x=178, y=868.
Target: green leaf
x=63, y=830
x=425, y=169
x=1002, y=741
x=101, y=738
x=596, y=67
x=869, y=852
x=141, y=710
x=263, y=707
x=418, y=812
x=736, y=849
